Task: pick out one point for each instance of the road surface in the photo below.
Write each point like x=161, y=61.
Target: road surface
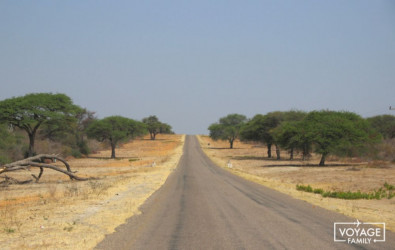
x=202, y=206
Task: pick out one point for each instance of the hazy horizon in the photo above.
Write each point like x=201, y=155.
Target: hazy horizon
x=190, y=63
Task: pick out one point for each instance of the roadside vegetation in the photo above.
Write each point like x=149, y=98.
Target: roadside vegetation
x=46, y=123
x=99, y=171
x=155, y=127
x=325, y=133
x=387, y=191
x=342, y=176
x=358, y=155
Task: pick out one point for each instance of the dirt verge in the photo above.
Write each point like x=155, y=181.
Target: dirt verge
x=249, y=161
x=59, y=213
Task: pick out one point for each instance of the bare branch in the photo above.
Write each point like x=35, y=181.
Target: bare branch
x=40, y=162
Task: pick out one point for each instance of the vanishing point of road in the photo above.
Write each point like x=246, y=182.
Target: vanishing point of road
x=202, y=206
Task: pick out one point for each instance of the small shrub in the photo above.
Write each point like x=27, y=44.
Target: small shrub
x=388, y=186
x=318, y=191
x=307, y=188
x=385, y=192
x=9, y=230
x=76, y=153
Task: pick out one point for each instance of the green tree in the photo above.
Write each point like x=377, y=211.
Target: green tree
x=293, y=135
x=228, y=128
x=285, y=131
x=31, y=111
x=115, y=129
x=262, y=128
x=384, y=124
x=154, y=126
x=338, y=132
x=256, y=130
x=70, y=131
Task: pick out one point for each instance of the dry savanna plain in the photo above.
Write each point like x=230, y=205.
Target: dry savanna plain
x=249, y=160
x=60, y=213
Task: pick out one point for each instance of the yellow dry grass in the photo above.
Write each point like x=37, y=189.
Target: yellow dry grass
x=249, y=161
x=59, y=213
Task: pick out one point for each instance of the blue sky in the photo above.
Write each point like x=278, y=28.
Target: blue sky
x=192, y=62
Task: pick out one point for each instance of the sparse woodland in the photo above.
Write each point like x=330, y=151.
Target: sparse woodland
x=39, y=127
x=323, y=132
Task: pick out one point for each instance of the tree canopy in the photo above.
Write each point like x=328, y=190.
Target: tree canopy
x=325, y=132
x=384, y=124
x=338, y=132
x=262, y=128
x=228, y=128
x=154, y=126
x=115, y=129
x=31, y=111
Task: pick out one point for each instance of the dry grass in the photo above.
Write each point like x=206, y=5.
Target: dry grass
x=250, y=162
x=59, y=213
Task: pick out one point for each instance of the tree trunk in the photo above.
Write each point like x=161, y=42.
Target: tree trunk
x=152, y=135
x=113, y=150
x=278, y=152
x=322, y=161
x=291, y=152
x=305, y=152
x=32, y=136
x=231, y=143
x=269, y=150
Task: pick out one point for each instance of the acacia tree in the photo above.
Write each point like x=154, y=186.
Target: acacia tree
x=115, y=129
x=293, y=135
x=154, y=126
x=335, y=132
x=228, y=128
x=288, y=125
x=259, y=129
x=70, y=131
x=263, y=128
x=31, y=111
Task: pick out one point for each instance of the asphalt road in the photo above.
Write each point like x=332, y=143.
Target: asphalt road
x=202, y=206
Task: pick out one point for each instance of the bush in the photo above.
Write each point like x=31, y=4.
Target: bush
x=318, y=191
x=307, y=188
x=386, y=192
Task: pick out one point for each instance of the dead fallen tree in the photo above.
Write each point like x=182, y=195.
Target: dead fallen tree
x=41, y=161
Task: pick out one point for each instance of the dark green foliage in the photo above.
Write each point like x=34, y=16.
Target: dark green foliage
x=115, y=129
x=265, y=129
x=257, y=129
x=228, y=128
x=325, y=132
x=10, y=144
x=384, y=124
x=389, y=187
x=307, y=188
x=318, y=191
x=338, y=133
x=154, y=126
x=386, y=192
x=69, y=131
x=31, y=111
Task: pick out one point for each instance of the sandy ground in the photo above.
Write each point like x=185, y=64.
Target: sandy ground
x=250, y=161
x=59, y=213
